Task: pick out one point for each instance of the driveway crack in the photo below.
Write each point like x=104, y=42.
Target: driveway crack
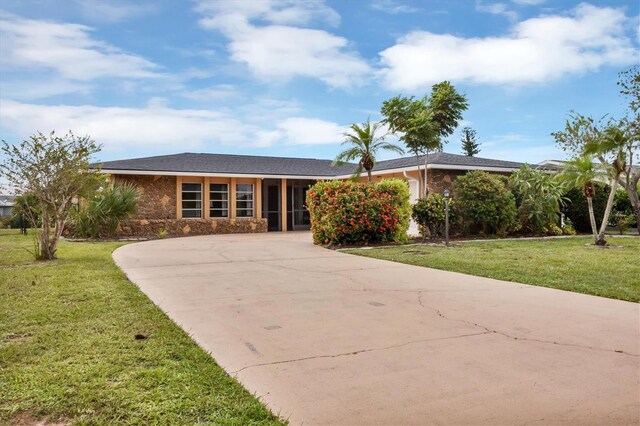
x=358, y=351
x=509, y=336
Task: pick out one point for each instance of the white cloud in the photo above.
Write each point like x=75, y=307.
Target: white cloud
x=279, y=50
x=301, y=131
x=283, y=12
x=536, y=50
x=215, y=93
x=66, y=50
x=310, y=131
x=501, y=9
x=392, y=7
x=158, y=126
x=529, y=2
x=112, y=11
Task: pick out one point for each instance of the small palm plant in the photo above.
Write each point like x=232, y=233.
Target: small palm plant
x=105, y=210
x=581, y=173
x=364, y=146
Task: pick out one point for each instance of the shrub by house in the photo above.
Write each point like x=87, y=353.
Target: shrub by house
x=485, y=203
x=347, y=212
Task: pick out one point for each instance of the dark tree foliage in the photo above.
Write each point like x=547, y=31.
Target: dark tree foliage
x=575, y=207
x=470, y=144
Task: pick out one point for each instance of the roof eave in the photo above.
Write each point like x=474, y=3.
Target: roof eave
x=207, y=174
x=437, y=166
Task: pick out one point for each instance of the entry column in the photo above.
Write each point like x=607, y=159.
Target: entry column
x=283, y=204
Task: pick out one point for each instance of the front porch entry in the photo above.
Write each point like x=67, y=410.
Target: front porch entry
x=283, y=202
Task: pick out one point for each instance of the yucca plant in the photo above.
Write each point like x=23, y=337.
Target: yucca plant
x=109, y=206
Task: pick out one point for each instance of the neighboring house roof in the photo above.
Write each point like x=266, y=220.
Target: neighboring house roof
x=445, y=159
x=7, y=200
x=250, y=165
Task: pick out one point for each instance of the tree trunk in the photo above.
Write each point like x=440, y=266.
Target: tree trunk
x=592, y=219
x=426, y=175
x=600, y=241
x=421, y=183
x=369, y=174
x=631, y=186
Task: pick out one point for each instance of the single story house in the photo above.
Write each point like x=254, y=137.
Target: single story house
x=197, y=193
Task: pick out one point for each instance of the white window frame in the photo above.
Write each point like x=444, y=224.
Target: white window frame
x=245, y=202
x=199, y=210
x=211, y=201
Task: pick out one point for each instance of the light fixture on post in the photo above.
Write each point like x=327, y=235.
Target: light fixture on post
x=446, y=217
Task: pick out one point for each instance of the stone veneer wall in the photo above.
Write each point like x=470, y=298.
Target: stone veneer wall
x=158, y=195
x=157, y=213
x=440, y=179
x=174, y=227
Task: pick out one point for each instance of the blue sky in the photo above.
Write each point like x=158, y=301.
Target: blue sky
x=287, y=77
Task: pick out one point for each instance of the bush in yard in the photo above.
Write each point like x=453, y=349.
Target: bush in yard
x=399, y=190
x=622, y=221
x=347, y=212
x=539, y=199
x=429, y=214
x=622, y=207
x=485, y=203
x=575, y=207
x=568, y=228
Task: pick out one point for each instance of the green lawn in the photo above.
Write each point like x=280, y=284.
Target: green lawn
x=565, y=264
x=68, y=352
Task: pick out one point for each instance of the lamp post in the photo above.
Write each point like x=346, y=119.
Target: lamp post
x=446, y=217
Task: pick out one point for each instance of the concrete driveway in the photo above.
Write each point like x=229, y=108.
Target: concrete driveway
x=329, y=338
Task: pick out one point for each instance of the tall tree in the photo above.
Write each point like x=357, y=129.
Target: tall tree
x=585, y=136
x=422, y=124
x=470, y=145
x=55, y=170
x=364, y=145
x=629, y=84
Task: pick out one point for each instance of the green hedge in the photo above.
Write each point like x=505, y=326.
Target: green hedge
x=347, y=212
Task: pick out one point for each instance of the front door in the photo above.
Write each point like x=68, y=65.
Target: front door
x=299, y=211
x=272, y=204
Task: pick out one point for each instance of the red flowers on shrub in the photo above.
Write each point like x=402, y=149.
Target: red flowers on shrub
x=346, y=212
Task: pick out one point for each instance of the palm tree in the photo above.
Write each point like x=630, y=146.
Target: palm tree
x=581, y=173
x=364, y=145
x=612, y=143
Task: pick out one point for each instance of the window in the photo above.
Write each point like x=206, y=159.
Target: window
x=192, y=200
x=219, y=200
x=244, y=200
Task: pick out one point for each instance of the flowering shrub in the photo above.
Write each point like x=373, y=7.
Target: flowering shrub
x=346, y=212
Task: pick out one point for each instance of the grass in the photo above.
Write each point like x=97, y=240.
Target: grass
x=566, y=264
x=68, y=352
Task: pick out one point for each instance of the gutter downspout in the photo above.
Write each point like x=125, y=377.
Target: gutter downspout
x=409, y=178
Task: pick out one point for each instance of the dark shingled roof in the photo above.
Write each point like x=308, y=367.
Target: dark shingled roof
x=446, y=159
x=258, y=165
x=231, y=164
